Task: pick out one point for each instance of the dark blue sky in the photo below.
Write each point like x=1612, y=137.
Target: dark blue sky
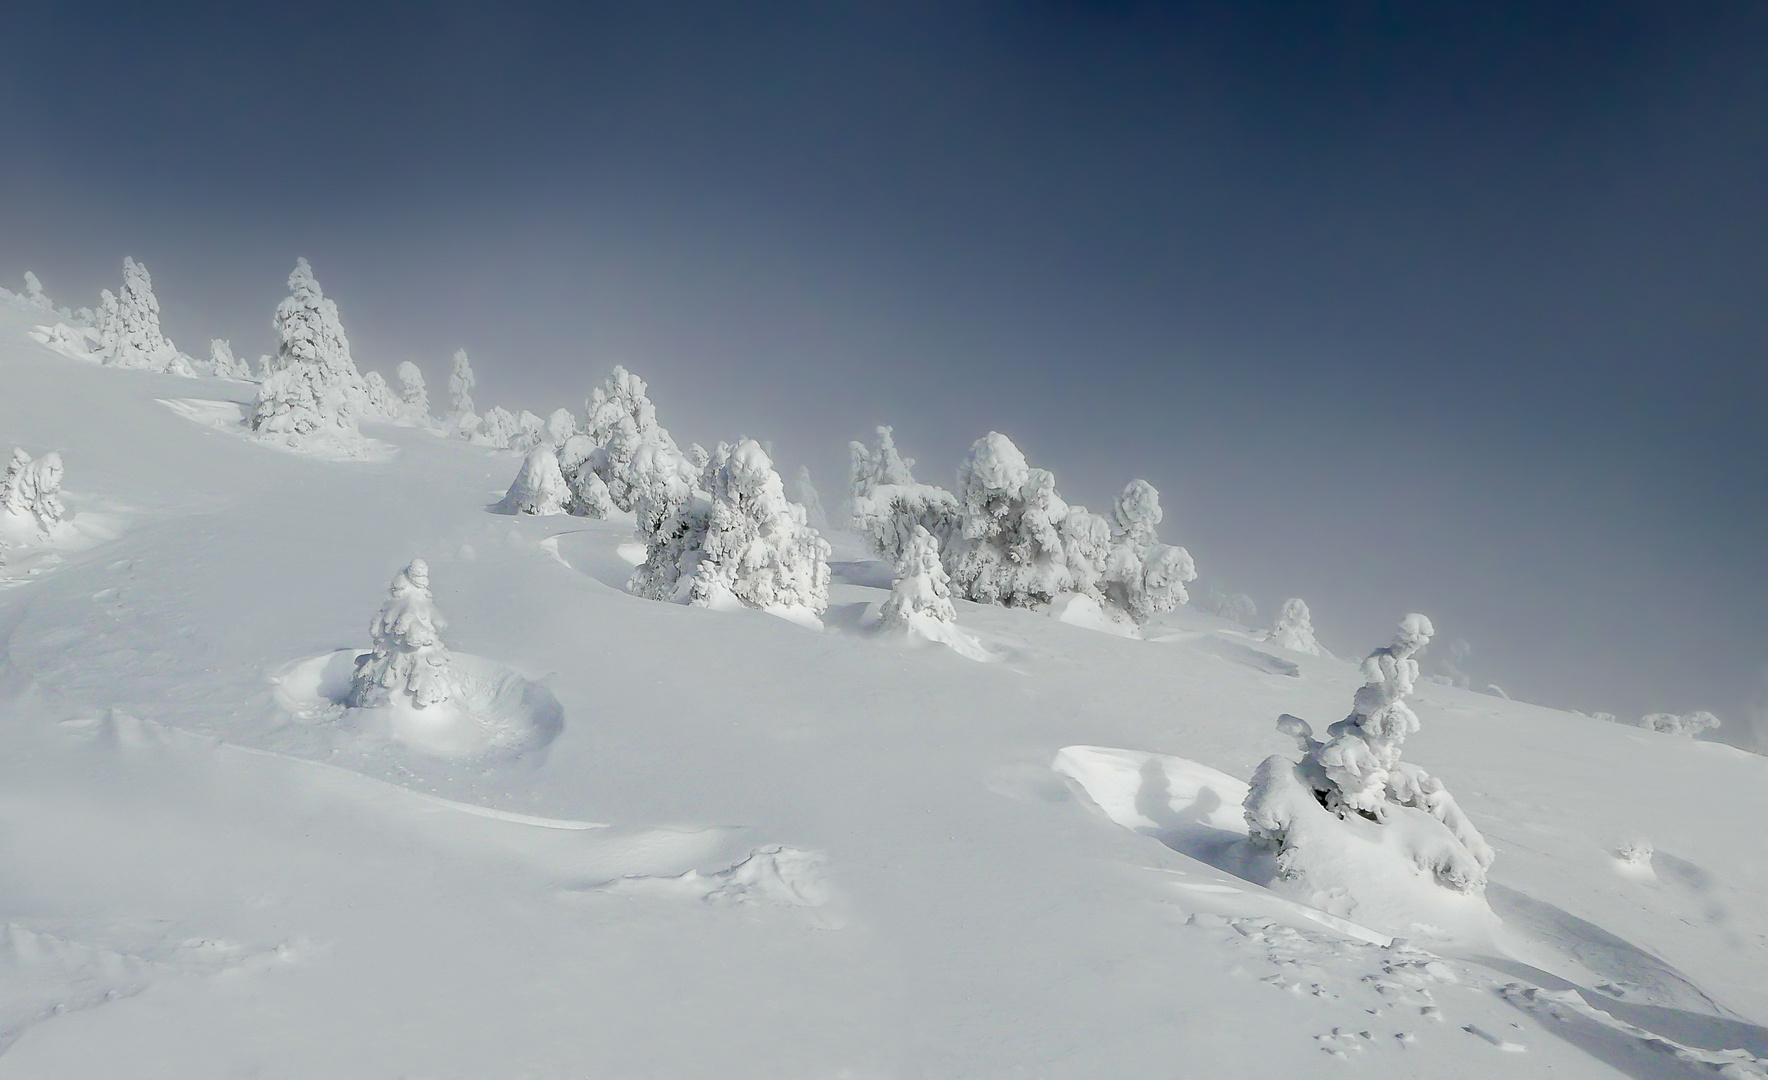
x=1456, y=306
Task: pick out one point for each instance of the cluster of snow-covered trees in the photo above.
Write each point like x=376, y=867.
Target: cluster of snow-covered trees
x=30, y=490
x=1007, y=537
x=1687, y=725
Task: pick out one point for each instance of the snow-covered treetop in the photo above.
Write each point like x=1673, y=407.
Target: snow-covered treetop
x=34, y=294
x=1389, y=675
x=412, y=390
x=460, y=384
x=1136, y=514
x=877, y=468
x=561, y=425
x=622, y=401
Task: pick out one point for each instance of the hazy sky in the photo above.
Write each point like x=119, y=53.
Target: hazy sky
x=1454, y=307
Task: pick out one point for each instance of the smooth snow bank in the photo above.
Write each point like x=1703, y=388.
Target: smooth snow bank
x=773, y=876
x=920, y=628
x=230, y=417
x=1079, y=609
x=495, y=715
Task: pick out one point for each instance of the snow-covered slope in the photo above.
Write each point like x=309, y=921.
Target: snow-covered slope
x=730, y=846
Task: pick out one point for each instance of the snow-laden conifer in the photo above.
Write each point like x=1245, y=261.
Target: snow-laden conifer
x=18, y=487
x=560, y=426
x=699, y=457
x=461, y=380
x=530, y=431
x=886, y=504
x=1143, y=577
x=740, y=541
x=30, y=490
x=313, y=393
x=1687, y=725
x=660, y=482
x=1358, y=771
x=133, y=338
x=1293, y=629
x=409, y=662
x=412, y=391
x=225, y=364
x=1010, y=546
x=34, y=294
x=539, y=487
x=921, y=591
x=620, y=419
x=496, y=428
x=379, y=402
x=811, y=501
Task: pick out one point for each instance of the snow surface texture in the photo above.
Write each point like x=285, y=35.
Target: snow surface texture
x=212, y=875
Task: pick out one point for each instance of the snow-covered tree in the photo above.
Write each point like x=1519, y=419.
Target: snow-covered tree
x=811, y=501
x=589, y=496
x=1450, y=666
x=134, y=339
x=379, y=402
x=34, y=294
x=886, y=504
x=1358, y=771
x=742, y=540
x=560, y=426
x=1143, y=577
x=619, y=419
x=461, y=381
x=539, y=488
x=1687, y=725
x=412, y=390
x=409, y=662
x=1293, y=629
x=313, y=391
x=1010, y=549
x=225, y=364
x=18, y=487
x=31, y=490
x=530, y=431
x=922, y=589
x=660, y=483
x=699, y=457
x=496, y=428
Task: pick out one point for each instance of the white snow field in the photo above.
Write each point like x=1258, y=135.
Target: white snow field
x=657, y=840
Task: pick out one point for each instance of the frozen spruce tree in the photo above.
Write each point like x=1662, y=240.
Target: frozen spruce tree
x=18, y=487
x=30, y=491
x=34, y=294
x=134, y=338
x=313, y=393
x=742, y=542
x=560, y=426
x=539, y=488
x=886, y=505
x=620, y=419
x=379, y=402
x=461, y=381
x=1357, y=775
x=225, y=364
x=412, y=391
x=497, y=428
x=921, y=593
x=811, y=501
x=530, y=431
x=409, y=663
x=1144, y=577
x=1293, y=629
x=1687, y=725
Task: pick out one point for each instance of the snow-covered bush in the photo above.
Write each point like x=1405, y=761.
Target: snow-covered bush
x=1142, y=576
x=225, y=364
x=1358, y=772
x=1293, y=629
x=811, y=501
x=660, y=482
x=496, y=428
x=539, y=488
x=560, y=426
x=530, y=432
x=589, y=496
x=1687, y=725
x=412, y=390
x=461, y=381
x=886, y=505
x=132, y=337
x=409, y=662
x=742, y=540
x=313, y=392
x=921, y=592
x=1010, y=547
x=31, y=490
x=75, y=343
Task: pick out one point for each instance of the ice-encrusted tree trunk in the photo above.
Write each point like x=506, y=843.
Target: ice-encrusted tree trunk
x=461, y=381
x=313, y=392
x=409, y=660
x=742, y=540
x=922, y=590
x=811, y=501
x=135, y=340
x=412, y=390
x=1144, y=577
x=1293, y=629
x=539, y=487
x=1358, y=771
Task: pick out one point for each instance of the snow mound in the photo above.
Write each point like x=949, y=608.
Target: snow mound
x=1079, y=609
x=229, y=417
x=775, y=876
x=919, y=627
x=496, y=714
x=75, y=343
